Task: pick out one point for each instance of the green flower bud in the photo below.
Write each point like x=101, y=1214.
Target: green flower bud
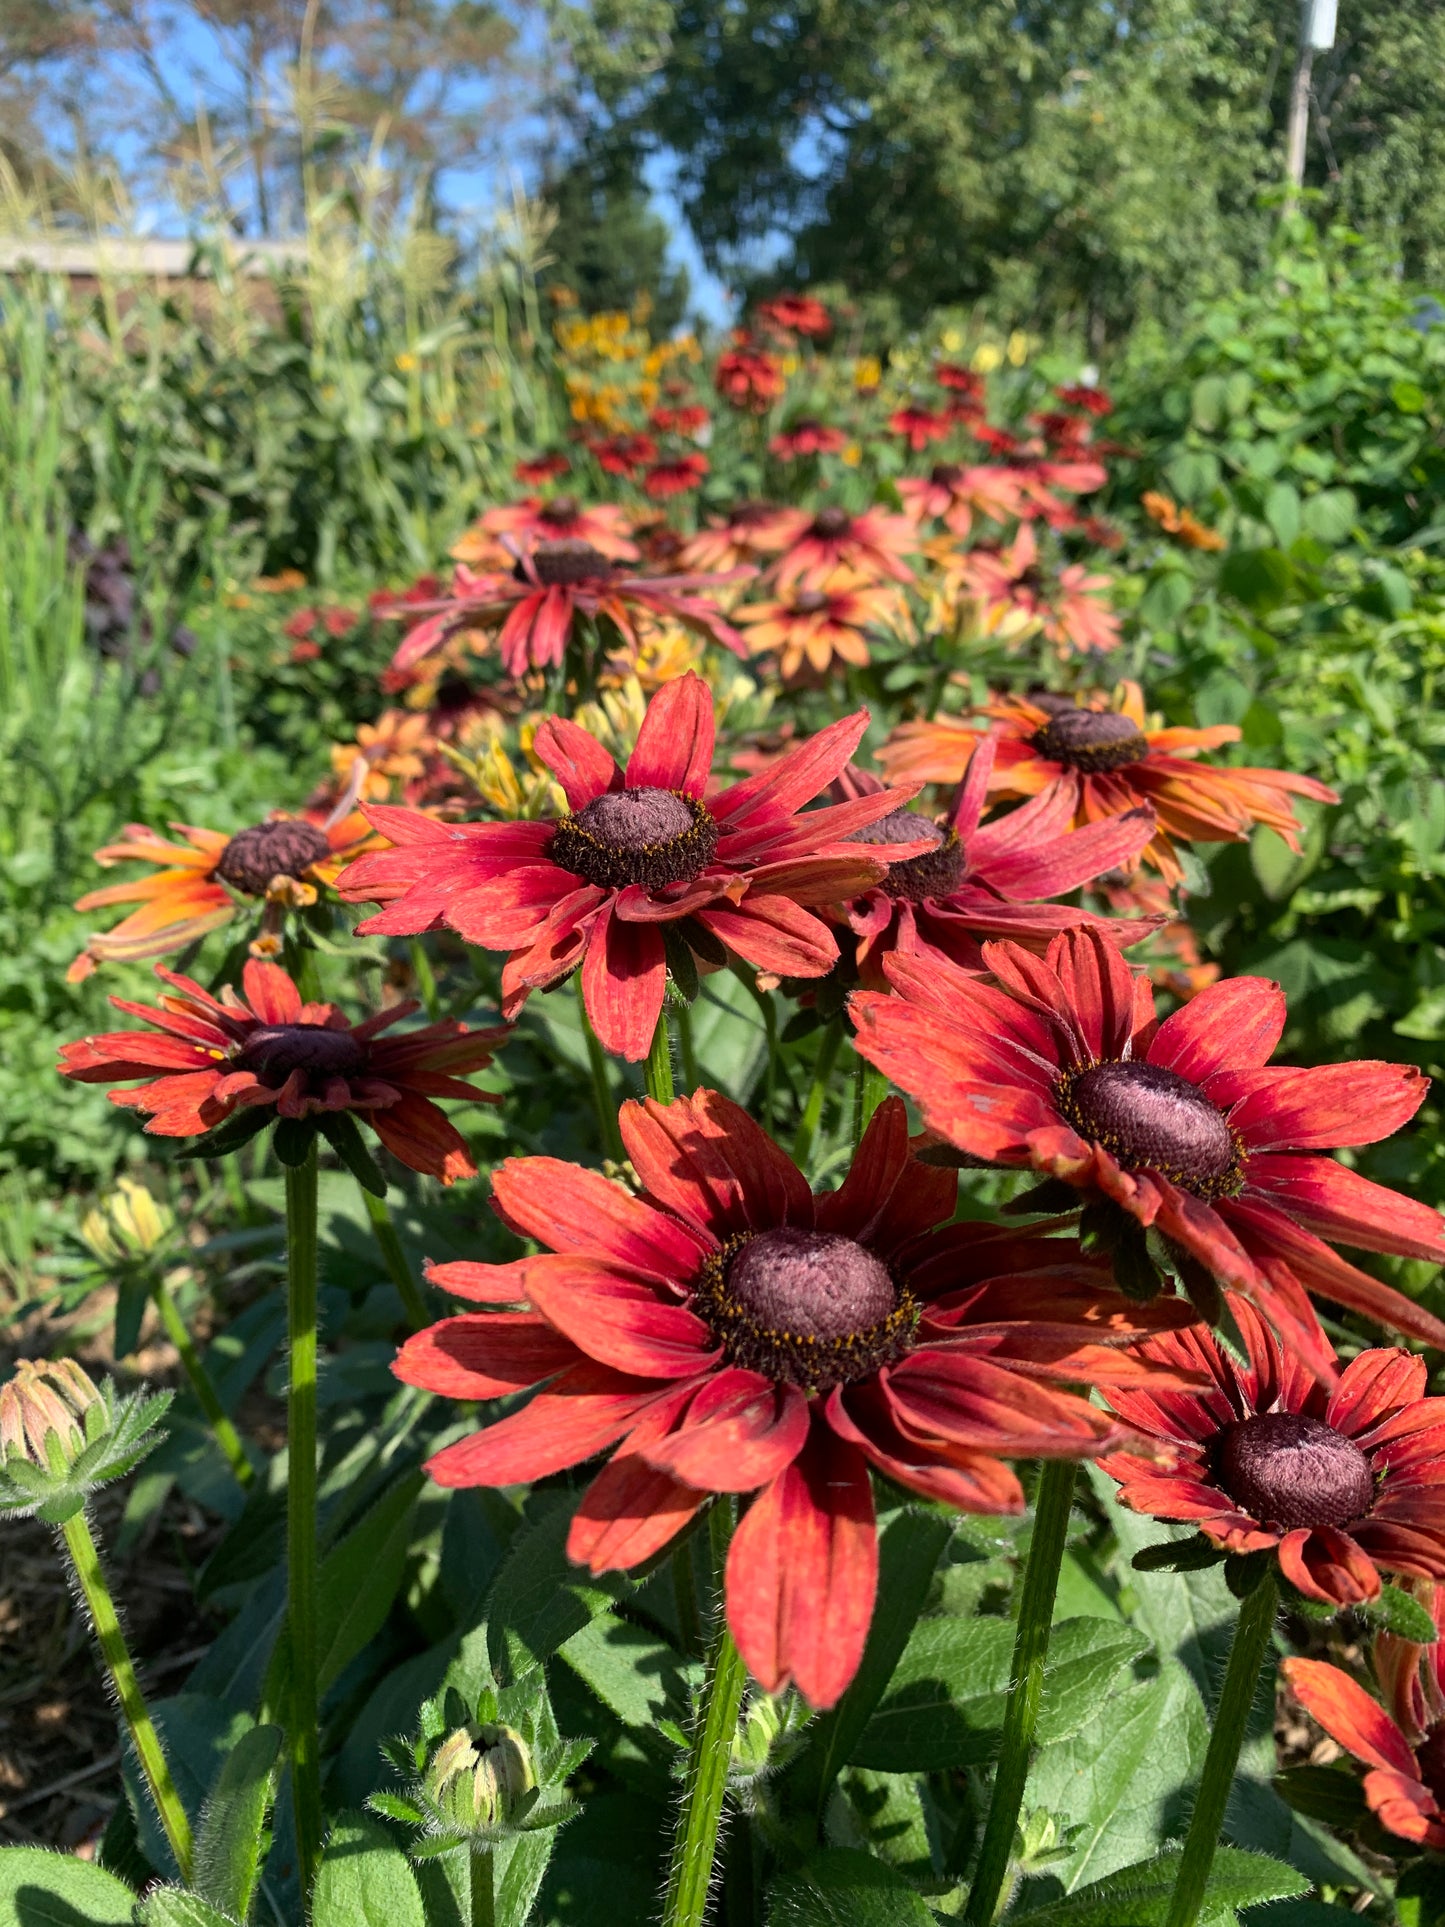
x=477, y=1777
x=42, y=1413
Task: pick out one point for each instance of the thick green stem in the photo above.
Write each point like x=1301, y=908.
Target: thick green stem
x=1052, y=1505
x=425, y=976
x=394, y=1258
x=684, y=1598
x=869, y=1093
x=1252, y=1635
x=686, y=1049
x=695, y=1847
x=770, y=1085
x=484, y=1888
x=601, y=1086
x=817, y=1093
x=301, y=1513
x=658, y=1070
x=113, y=1650
x=222, y=1430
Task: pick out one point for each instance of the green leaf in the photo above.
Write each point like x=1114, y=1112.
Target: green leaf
x=228, y=1844
x=343, y=1134
x=1262, y=579
x=909, y=1549
x=1282, y=512
x=43, y=1889
x=1168, y=595
x=1399, y=1612
x=132, y=1296
x=1408, y=396
x=1330, y=515
x=364, y=1880
x=237, y=1131
x=1194, y=1554
x=294, y=1139
x=846, y=1888
x=173, y=1907
x=1323, y=1793
x=359, y=1578
x=636, y=1674
x=944, y=1704
x=539, y=1598
x=1139, y=1896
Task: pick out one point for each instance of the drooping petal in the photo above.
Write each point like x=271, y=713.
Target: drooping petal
x=1342, y=1206
x=705, y=1159
x=1232, y=1025
x=1327, y=1565
x=740, y=1431
x=1405, y=1807
x=572, y=1209
x=620, y=1321
x=624, y=980
x=802, y=1573
x=628, y=1514
x=581, y=1414
x=484, y=1355
x=1348, y=1714
x=971, y=1402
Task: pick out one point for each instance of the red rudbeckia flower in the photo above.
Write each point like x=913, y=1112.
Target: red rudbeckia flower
x=542, y=468
x=623, y=455
x=270, y=1051
x=823, y=625
x=962, y=381
x=807, y=437
x=677, y=476
x=748, y=377
x=533, y=608
x=1402, y=1742
x=728, y=1332
x=1340, y=1481
x=1070, y=613
x=728, y=543
x=811, y=545
x=796, y=314
x=640, y=852
x=205, y=882
x=953, y=494
x=1105, y=757
x=496, y=538
x=1060, y=1065
x=691, y=419
x=1093, y=401
x=982, y=881
x=919, y=427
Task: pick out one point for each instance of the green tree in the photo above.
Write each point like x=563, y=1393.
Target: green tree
x=610, y=245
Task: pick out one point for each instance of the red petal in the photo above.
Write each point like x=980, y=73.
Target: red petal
x=578, y=761
x=1320, y=1107
x=1340, y=1205
x=483, y=1284
x=675, y=742
x=628, y=1514
x=1348, y=1714
x=585, y=1411
x=1099, y=986
x=572, y=1209
x=414, y=1130
x=971, y=1402
x=1233, y=1025
x=624, y=980
x=483, y=1355
x=1406, y=1807
x=740, y=1431
x=1373, y=1386
x=802, y=1572
x=774, y=933
x=887, y=1196
x=271, y=993
x=619, y=1321
x=704, y=1158
x=795, y=778
x=1327, y=1565
x=972, y=1481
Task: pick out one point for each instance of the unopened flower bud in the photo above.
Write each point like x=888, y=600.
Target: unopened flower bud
x=757, y=1734
x=477, y=1778
x=42, y=1413
x=127, y=1225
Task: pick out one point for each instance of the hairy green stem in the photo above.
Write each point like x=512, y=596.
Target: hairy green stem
x=85, y=1558
x=658, y=1069
x=817, y=1093
x=202, y=1384
x=484, y=1888
x=601, y=1087
x=1052, y=1505
x=394, y=1258
x=301, y=1513
x=684, y=1598
x=1252, y=1634
x=695, y=1847
x=686, y=1049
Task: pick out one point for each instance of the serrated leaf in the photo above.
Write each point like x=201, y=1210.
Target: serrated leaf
x=846, y=1888
x=1399, y=1612
x=228, y=1842
x=1139, y=1895
x=57, y=1890
x=364, y=1880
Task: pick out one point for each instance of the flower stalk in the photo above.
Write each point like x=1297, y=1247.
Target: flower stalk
x=394, y=1258
x=1052, y=1506
x=869, y=1093
x=1252, y=1634
x=695, y=1849
x=817, y=1093
x=202, y=1384
x=301, y=1237
x=658, y=1069
x=85, y=1559
x=601, y=1087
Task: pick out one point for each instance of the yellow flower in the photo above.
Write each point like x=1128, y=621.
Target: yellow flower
x=406, y=361
x=790, y=364
x=1018, y=348
x=867, y=372
x=852, y=454
x=951, y=340
x=986, y=357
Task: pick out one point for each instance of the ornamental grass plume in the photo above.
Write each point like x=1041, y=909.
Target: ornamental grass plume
x=212, y=878
x=1102, y=754
x=1177, y=1129
x=730, y=1332
x=245, y=1061
x=983, y=881
x=647, y=873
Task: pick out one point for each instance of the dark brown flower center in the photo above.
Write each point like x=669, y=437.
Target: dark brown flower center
x=946, y=474
x=651, y=837
x=1289, y=1471
x=561, y=509
x=1152, y=1119
x=1430, y=1758
x=315, y=1049
x=1093, y=740
x=831, y=523
x=805, y=1308
x=811, y=602
x=285, y=849
x=564, y=564
x=746, y=515
x=937, y=873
